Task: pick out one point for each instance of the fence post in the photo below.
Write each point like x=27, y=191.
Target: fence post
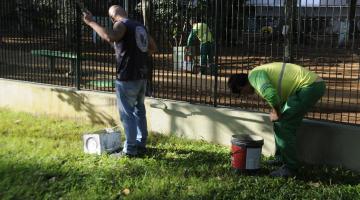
x=145, y=9
x=351, y=17
x=216, y=67
x=78, y=48
x=126, y=6
x=288, y=29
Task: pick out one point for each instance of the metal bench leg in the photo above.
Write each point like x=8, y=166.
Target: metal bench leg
x=73, y=66
x=51, y=64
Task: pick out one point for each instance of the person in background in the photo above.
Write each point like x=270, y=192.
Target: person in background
x=202, y=32
x=291, y=91
x=132, y=45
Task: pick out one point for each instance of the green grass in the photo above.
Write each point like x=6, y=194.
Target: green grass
x=42, y=158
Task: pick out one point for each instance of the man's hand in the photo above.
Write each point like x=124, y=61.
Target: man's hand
x=274, y=115
x=88, y=17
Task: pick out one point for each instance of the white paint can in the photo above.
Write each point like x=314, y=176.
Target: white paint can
x=103, y=141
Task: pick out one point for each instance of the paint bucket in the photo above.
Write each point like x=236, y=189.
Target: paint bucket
x=246, y=152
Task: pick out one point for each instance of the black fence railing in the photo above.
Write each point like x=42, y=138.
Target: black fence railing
x=46, y=42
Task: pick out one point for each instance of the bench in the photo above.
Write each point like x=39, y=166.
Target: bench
x=52, y=55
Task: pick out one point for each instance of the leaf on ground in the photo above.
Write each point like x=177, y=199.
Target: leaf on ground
x=316, y=184
x=53, y=179
x=126, y=191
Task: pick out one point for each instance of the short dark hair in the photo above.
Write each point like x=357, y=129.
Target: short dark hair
x=236, y=81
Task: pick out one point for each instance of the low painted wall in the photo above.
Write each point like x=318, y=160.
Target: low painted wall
x=329, y=143
x=319, y=142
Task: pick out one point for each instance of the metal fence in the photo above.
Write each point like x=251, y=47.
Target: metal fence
x=45, y=41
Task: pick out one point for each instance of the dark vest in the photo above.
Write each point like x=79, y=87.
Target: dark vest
x=131, y=52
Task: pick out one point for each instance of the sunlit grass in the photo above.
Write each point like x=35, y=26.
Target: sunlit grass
x=42, y=158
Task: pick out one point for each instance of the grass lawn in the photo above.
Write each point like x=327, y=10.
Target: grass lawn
x=42, y=158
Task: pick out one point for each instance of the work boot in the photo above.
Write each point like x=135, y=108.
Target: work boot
x=203, y=70
x=196, y=69
x=213, y=70
x=283, y=172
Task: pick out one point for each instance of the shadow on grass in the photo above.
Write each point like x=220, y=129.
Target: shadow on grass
x=328, y=175
x=34, y=180
x=219, y=164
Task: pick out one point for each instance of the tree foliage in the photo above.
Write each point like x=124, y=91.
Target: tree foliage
x=46, y=13
x=174, y=15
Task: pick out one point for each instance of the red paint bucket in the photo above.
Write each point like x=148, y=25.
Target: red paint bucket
x=246, y=152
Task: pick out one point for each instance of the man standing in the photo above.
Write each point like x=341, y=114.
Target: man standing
x=202, y=32
x=132, y=44
x=291, y=91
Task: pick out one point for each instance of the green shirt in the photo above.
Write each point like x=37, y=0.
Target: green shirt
x=265, y=80
x=202, y=32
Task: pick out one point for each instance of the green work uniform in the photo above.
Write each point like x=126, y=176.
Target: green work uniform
x=202, y=32
x=293, y=90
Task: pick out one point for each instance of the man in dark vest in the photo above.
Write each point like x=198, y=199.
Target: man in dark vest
x=132, y=45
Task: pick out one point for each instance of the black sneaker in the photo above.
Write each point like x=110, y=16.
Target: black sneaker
x=141, y=151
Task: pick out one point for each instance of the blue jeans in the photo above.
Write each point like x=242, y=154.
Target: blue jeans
x=130, y=100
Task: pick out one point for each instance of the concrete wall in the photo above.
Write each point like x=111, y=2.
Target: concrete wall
x=319, y=142
x=329, y=143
